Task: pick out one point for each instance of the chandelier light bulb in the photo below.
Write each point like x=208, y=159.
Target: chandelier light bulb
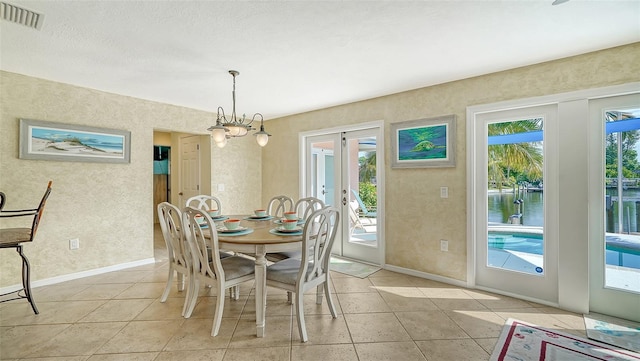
x=222, y=143
x=219, y=135
x=262, y=139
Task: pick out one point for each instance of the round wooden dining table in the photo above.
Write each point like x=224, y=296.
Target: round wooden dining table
x=258, y=243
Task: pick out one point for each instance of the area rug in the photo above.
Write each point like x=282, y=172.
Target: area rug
x=614, y=331
x=522, y=341
x=351, y=268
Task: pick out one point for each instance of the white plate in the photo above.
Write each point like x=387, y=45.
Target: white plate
x=283, y=230
x=279, y=221
x=224, y=230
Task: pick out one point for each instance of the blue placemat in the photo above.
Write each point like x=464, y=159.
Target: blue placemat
x=240, y=233
x=276, y=232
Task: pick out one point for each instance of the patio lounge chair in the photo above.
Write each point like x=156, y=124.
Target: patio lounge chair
x=364, y=211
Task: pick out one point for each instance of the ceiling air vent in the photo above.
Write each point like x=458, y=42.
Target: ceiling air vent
x=20, y=15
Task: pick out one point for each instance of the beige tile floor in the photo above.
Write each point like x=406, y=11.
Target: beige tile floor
x=387, y=316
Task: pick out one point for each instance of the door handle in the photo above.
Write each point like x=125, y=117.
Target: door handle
x=344, y=201
x=180, y=194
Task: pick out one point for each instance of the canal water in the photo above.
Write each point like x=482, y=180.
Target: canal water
x=502, y=206
x=630, y=210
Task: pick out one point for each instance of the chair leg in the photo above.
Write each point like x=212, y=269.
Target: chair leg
x=327, y=293
x=26, y=279
x=217, y=318
x=193, y=296
x=300, y=314
x=234, y=293
x=167, y=288
x=187, y=297
x=180, y=282
x=319, y=291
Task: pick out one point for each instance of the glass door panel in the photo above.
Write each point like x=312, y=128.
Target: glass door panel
x=359, y=163
x=615, y=187
x=322, y=172
x=515, y=253
x=515, y=216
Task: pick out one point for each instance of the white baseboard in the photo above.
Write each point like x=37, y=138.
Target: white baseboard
x=429, y=276
x=73, y=276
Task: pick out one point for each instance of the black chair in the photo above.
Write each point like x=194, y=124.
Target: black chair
x=14, y=237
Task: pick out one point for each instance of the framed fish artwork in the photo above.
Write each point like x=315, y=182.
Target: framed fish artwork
x=424, y=143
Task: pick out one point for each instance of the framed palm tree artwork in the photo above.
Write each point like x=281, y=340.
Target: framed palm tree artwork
x=424, y=143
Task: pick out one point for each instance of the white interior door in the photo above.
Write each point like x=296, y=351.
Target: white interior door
x=189, y=168
x=516, y=233
x=614, y=211
x=343, y=169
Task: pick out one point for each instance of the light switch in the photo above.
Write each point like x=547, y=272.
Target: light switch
x=444, y=192
x=220, y=187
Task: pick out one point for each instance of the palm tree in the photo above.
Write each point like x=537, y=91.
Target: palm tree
x=524, y=158
x=368, y=167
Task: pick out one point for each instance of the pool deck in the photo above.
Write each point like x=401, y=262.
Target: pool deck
x=623, y=278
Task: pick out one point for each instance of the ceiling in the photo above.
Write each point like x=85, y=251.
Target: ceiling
x=295, y=57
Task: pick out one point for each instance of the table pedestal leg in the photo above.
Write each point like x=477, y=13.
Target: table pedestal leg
x=261, y=290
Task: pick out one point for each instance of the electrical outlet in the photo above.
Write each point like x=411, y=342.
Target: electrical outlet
x=74, y=243
x=444, y=192
x=444, y=245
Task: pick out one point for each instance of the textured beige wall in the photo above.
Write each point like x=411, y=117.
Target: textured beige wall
x=416, y=217
x=107, y=206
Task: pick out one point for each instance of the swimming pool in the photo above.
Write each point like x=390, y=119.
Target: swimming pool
x=621, y=250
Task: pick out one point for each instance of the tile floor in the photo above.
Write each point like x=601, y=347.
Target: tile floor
x=387, y=316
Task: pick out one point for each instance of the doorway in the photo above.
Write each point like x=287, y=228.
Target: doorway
x=343, y=167
x=161, y=177
x=614, y=196
x=516, y=215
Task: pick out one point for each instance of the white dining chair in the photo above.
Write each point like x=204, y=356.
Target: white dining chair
x=204, y=202
x=312, y=269
x=305, y=206
x=278, y=205
x=221, y=273
x=178, y=251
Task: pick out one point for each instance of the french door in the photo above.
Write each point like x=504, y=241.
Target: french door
x=343, y=169
x=516, y=202
x=614, y=213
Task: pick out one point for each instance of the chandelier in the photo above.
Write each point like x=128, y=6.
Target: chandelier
x=234, y=127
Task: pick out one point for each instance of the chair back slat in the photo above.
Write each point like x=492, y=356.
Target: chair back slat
x=319, y=233
x=306, y=206
x=203, y=241
x=279, y=204
x=40, y=211
x=171, y=225
x=205, y=203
